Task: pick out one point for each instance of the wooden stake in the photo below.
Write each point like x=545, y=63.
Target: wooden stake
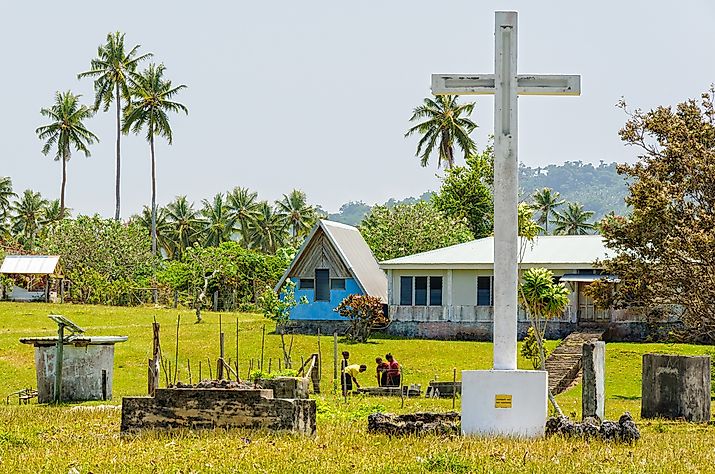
x=279, y=364
x=200, y=379
x=454, y=387
x=237, y=351
x=263, y=345
x=320, y=358
x=335, y=360
x=188, y=365
x=211, y=375
x=219, y=367
x=153, y=382
x=176, y=355
x=270, y=363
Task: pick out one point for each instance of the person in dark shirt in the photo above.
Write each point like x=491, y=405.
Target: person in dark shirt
x=393, y=373
x=382, y=368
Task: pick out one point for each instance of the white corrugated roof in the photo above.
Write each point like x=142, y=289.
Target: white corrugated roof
x=356, y=254
x=569, y=251
x=30, y=264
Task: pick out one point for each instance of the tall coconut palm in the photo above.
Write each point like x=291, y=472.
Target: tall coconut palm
x=244, y=206
x=148, y=109
x=546, y=201
x=299, y=214
x=270, y=229
x=6, y=195
x=26, y=216
x=219, y=222
x=445, y=123
x=184, y=222
x=110, y=70
x=66, y=131
x=573, y=220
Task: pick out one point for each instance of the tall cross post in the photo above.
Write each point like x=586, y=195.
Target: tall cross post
x=505, y=85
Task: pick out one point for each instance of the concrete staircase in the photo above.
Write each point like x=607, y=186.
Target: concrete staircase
x=564, y=363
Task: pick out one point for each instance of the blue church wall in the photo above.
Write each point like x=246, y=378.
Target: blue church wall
x=322, y=310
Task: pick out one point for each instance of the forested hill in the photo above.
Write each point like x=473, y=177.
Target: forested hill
x=599, y=188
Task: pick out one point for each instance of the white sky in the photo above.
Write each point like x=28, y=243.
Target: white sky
x=317, y=94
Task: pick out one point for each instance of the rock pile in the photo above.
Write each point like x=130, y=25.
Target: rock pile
x=414, y=423
x=623, y=431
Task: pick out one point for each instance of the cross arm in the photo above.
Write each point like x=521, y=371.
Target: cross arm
x=542, y=84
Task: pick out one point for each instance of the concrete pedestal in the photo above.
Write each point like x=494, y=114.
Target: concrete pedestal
x=504, y=402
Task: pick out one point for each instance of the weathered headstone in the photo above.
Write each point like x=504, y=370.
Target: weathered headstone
x=676, y=386
x=593, y=396
x=505, y=401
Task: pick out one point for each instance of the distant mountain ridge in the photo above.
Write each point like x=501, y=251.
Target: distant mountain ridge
x=599, y=188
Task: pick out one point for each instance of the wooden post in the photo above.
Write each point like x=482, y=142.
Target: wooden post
x=315, y=373
x=176, y=356
x=211, y=375
x=200, y=374
x=237, y=351
x=188, y=365
x=335, y=359
x=279, y=364
x=263, y=345
x=454, y=388
x=320, y=359
x=270, y=362
x=219, y=367
x=153, y=382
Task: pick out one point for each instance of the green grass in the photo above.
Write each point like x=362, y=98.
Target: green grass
x=58, y=439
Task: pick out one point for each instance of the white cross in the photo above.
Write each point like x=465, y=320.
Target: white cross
x=505, y=85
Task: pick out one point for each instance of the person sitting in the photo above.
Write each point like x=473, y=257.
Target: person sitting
x=393, y=373
x=350, y=377
x=382, y=368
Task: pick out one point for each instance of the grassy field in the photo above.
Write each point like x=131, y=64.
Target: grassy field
x=70, y=439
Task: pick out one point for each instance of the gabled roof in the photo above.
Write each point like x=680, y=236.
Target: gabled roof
x=30, y=264
x=567, y=251
x=354, y=252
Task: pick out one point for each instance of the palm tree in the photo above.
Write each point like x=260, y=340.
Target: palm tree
x=26, y=216
x=150, y=101
x=66, y=131
x=184, y=222
x=52, y=213
x=110, y=70
x=573, y=221
x=444, y=124
x=546, y=201
x=6, y=195
x=163, y=228
x=219, y=223
x=269, y=231
x=299, y=214
x=244, y=206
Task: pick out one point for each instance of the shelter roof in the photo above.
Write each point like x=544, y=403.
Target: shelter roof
x=30, y=264
x=567, y=251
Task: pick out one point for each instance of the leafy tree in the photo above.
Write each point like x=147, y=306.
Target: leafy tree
x=102, y=258
x=546, y=200
x=219, y=222
x=164, y=239
x=26, y=217
x=443, y=124
x=466, y=193
x=244, y=206
x=151, y=100
x=574, y=220
x=111, y=70
x=664, y=251
x=66, y=131
x=184, y=224
x=269, y=230
x=407, y=229
x=277, y=308
x=300, y=216
x=364, y=312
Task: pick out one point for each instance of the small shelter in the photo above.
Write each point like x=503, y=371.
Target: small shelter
x=40, y=274
x=333, y=262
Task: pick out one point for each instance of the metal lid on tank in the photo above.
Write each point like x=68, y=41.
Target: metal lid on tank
x=74, y=341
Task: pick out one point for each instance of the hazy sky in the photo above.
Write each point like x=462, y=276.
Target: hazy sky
x=317, y=94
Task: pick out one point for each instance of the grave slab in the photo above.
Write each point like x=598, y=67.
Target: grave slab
x=676, y=386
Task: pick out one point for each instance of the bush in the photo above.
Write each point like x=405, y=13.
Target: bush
x=364, y=312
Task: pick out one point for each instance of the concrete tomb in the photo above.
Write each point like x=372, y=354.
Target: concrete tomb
x=505, y=401
x=675, y=386
x=593, y=396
